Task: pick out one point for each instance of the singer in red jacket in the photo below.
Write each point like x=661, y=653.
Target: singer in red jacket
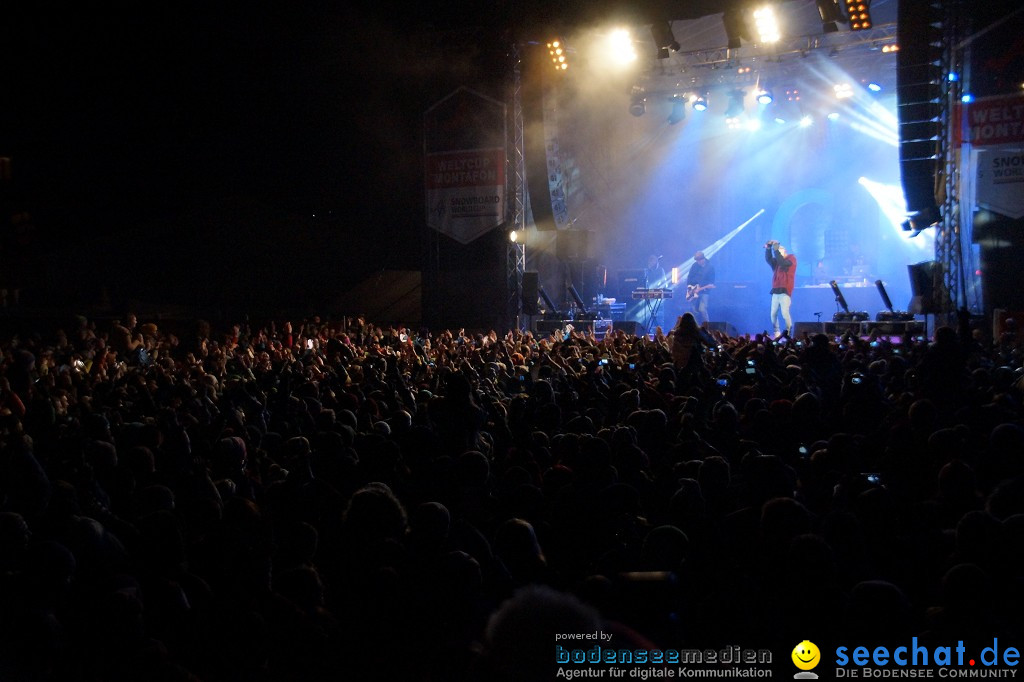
x=783, y=276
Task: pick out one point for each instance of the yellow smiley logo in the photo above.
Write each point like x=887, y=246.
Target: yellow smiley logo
x=806, y=655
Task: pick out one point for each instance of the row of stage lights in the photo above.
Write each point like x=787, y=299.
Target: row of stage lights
x=766, y=23
x=762, y=95
x=858, y=16
x=558, y=55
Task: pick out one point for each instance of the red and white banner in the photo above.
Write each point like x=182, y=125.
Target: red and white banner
x=464, y=172
x=466, y=192
x=990, y=121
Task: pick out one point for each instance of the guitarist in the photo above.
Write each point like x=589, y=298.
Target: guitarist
x=698, y=283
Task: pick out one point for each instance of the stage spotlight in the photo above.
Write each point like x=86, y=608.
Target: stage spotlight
x=638, y=105
x=831, y=15
x=833, y=116
x=859, y=12
x=700, y=104
x=806, y=122
x=843, y=90
x=678, y=110
x=764, y=96
x=735, y=108
x=886, y=49
x=736, y=29
x=874, y=87
x=558, y=55
x=619, y=45
x=513, y=237
x=767, y=24
x=663, y=38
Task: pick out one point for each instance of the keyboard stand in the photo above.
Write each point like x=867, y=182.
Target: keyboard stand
x=652, y=306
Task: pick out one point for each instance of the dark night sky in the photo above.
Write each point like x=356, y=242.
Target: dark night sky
x=310, y=106
x=131, y=122
x=305, y=108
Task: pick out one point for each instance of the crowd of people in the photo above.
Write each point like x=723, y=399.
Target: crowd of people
x=333, y=499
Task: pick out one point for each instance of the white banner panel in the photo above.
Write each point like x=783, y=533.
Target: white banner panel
x=464, y=156
x=466, y=192
x=1000, y=180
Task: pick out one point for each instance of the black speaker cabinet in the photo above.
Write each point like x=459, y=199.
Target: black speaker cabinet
x=630, y=327
x=530, y=293
x=722, y=327
x=925, y=283
x=536, y=62
x=811, y=328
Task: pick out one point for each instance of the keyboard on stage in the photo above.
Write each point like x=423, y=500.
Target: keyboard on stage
x=651, y=294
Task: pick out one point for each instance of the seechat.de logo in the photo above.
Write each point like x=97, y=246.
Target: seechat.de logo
x=806, y=656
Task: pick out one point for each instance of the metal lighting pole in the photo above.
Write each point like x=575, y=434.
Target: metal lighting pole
x=515, y=261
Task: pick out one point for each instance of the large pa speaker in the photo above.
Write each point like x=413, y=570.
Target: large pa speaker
x=925, y=285
x=536, y=63
x=918, y=97
x=531, y=283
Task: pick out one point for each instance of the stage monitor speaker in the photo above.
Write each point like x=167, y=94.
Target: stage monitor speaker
x=722, y=327
x=925, y=284
x=840, y=328
x=536, y=62
x=549, y=326
x=810, y=328
x=628, y=326
x=530, y=293
x=894, y=327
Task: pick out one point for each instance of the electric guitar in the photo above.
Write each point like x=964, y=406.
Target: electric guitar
x=694, y=290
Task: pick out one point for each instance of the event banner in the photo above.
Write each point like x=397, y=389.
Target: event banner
x=1000, y=179
x=464, y=141
x=994, y=127
x=990, y=121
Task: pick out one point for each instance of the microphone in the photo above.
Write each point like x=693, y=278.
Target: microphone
x=660, y=257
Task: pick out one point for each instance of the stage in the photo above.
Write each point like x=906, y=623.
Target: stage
x=747, y=306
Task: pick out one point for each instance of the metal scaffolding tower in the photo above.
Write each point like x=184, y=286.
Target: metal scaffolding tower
x=515, y=261
x=948, y=240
